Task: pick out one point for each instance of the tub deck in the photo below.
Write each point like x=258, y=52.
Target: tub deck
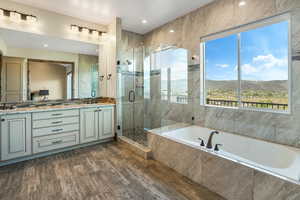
x=274, y=159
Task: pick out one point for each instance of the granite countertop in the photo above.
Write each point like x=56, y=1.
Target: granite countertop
x=53, y=108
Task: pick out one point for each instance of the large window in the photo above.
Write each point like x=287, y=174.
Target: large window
x=248, y=69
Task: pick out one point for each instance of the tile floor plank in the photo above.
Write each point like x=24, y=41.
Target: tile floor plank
x=100, y=172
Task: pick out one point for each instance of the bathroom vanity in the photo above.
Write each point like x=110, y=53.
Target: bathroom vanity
x=52, y=96
x=33, y=132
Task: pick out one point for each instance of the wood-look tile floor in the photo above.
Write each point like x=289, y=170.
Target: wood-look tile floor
x=100, y=172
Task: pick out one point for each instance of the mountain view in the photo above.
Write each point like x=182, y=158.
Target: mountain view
x=271, y=92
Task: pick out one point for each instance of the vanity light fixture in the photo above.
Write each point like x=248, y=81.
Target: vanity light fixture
x=17, y=16
x=86, y=31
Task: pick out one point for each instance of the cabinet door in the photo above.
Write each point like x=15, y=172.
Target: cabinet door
x=89, y=125
x=106, y=123
x=15, y=136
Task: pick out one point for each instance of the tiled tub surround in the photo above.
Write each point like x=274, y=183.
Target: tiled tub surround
x=225, y=172
x=218, y=16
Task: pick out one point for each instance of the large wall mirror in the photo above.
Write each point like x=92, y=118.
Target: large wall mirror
x=38, y=68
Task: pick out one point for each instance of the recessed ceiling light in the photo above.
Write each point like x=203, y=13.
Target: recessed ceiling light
x=144, y=21
x=172, y=31
x=45, y=45
x=242, y=3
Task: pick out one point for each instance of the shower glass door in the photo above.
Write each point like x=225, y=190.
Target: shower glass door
x=132, y=98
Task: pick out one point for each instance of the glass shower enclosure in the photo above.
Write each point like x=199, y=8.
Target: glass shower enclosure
x=131, y=89
x=152, y=90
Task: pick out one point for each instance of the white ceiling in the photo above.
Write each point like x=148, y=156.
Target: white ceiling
x=132, y=12
x=33, y=41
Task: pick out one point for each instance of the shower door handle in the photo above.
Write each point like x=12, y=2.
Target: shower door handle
x=131, y=94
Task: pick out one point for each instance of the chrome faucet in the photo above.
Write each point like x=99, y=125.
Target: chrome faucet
x=209, y=143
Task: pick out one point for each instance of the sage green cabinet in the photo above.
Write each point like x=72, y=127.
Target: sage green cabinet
x=106, y=120
x=15, y=136
x=89, y=125
x=96, y=124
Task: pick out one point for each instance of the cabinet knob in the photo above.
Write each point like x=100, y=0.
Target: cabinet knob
x=2, y=120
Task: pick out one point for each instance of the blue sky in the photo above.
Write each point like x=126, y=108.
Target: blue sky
x=264, y=55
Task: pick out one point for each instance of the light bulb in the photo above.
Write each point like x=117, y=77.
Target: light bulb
x=74, y=28
x=31, y=19
x=95, y=33
x=1, y=13
x=85, y=31
x=14, y=16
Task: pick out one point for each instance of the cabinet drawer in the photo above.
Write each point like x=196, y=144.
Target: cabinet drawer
x=52, y=142
x=55, y=122
x=55, y=130
x=55, y=114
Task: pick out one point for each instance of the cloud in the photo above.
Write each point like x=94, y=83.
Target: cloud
x=249, y=69
x=269, y=61
x=266, y=67
x=222, y=65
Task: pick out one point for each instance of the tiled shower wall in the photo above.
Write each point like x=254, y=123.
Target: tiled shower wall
x=218, y=16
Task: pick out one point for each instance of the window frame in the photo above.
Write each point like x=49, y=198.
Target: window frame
x=237, y=31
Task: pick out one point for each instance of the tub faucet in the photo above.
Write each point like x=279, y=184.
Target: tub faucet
x=209, y=143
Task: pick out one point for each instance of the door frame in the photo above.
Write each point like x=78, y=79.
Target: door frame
x=54, y=62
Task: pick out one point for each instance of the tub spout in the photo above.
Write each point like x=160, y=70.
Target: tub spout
x=209, y=143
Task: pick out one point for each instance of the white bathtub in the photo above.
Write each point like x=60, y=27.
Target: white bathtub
x=275, y=159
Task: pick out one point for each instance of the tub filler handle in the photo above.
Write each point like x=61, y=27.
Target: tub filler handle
x=217, y=147
x=202, y=144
